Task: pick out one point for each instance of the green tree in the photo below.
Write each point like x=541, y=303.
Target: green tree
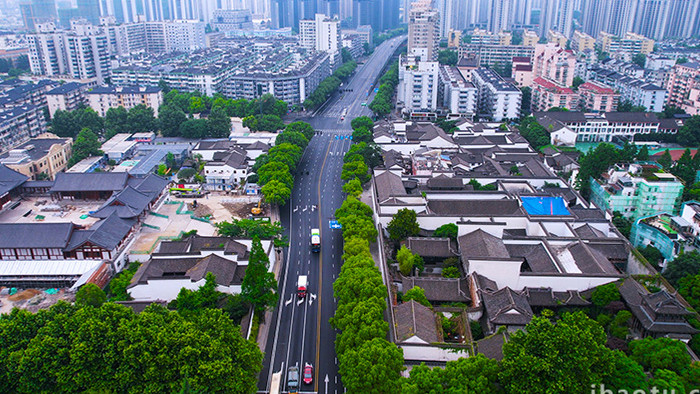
x=116, y=121
x=86, y=144
x=689, y=287
x=276, y=170
x=90, y=295
x=358, y=226
x=359, y=322
x=259, y=284
x=292, y=137
x=118, y=284
x=403, y=225
x=353, y=187
x=578, y=81
x=660, y=353
x=186, y=173
x=605, y=294
x=204, y=297
x=416, y=294
x=355, y=170
x=362, y=135
x=141, y=120
x=301, y=127
x=373, y=367
x=526, y=101
x=447, y=57
x=404, y=257
x=196, y=105
x=219, y=123
x=628, y=374
x=652, y=254
x=665, y=160
x=640, y=59
x=594, y=163
x=565, y=357
x=87, y=117
x=170, y=118
x=64, y=124
x=667, y=381
x=360, y=283
x=450, y=272
x=356, y=247
x=643, y=153
x=685, y=264
x=194, y=128
x=475, y=374
x=371, y=153
x=448, y=230
x=362, y=122
x=534, y=133
x=285, y=153
x=276, y=192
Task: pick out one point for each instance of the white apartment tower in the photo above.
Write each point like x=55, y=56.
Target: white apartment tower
x=321, y=34
x=423, y=31
x=418, y=84
x=500, y=14
x=82, y=52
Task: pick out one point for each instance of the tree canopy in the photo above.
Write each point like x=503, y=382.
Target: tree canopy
x=403, y=225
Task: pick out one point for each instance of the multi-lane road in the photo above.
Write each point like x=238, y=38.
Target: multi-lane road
x=300, y=331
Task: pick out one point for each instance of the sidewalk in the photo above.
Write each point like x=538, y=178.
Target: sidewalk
x=264, y=328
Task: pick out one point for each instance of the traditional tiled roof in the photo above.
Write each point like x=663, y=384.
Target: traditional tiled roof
x=506, y=307
x=10, y=179
x=479, y=243
x=415, y=320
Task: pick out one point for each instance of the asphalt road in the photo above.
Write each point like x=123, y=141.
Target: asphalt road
x=300, y=332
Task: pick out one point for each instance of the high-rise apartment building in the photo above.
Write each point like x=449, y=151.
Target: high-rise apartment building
x=496, y=98
x=321, y=34
x=418, y=84
x=227, y=20
x=499, y=15
x=82, y=52
x=684, y=87
x=556, y=15
x=423, y=31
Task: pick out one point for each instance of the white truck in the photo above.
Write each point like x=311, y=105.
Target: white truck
x=315, y=240
x=302, y=284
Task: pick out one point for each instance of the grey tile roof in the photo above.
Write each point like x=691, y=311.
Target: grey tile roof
x=91, y=181
x=506, y=307
x=432, y=247
x=590, y=261
x=492, y=347
x=535, y=256
x=128, y=203
x=414, y=319
x=439, y=289
x=224, y=269
x=503, y=207
x=227, y=272
x=35, y=235
x=444, y=182
x=10, y=179
x=388, y=185
x=106, y=233
x=645, y=309
x=479, y=243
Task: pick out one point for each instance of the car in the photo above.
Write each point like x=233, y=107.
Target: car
x=308, y=373
x=293, y=378
x=364, y=104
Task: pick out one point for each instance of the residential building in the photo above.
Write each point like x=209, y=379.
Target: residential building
x=102, y=98
x=496, y=98
x=26, y=93
x=321, y=34
x=636, y=191
x=40, y=158
x=555, y=63
x=37, y=11
x=485, y=37
x=597, y=97
x=582, y=41
x=227, y=170
x=629, y=45
x=354, y=43
x=556, y=15
x=530, y=38
x=683, y=87
x=499, y=18
x=418, y=84
x=557, y=38
x=456, y=94
x=19, y=124
x=636, y=91
x=548, y=94
x=82, y=52
x=522, y=71
x=185, y=264
x=659, y=20
x=489, y=55
x=66, y=97
x=423, y=31
x=454, y=38
x=365, y=32
x=567, y=128
x=224, y=20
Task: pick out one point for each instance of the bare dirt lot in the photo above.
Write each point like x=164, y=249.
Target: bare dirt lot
x=33, y=300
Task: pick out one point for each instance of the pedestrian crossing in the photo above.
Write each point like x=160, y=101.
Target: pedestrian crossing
x=336, y=133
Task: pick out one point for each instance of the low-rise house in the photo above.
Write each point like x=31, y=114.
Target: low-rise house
x=185, y=264
x=669, y=234
x=10, y=185
x=547, y=94
x=119, y=147
x=597, y=97
x=227, y=170
x=40, y=158
x=656, y=314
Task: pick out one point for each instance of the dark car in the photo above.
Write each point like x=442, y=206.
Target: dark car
x=308, y=374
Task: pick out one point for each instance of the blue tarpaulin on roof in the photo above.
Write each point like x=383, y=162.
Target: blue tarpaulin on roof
x=545, y=205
